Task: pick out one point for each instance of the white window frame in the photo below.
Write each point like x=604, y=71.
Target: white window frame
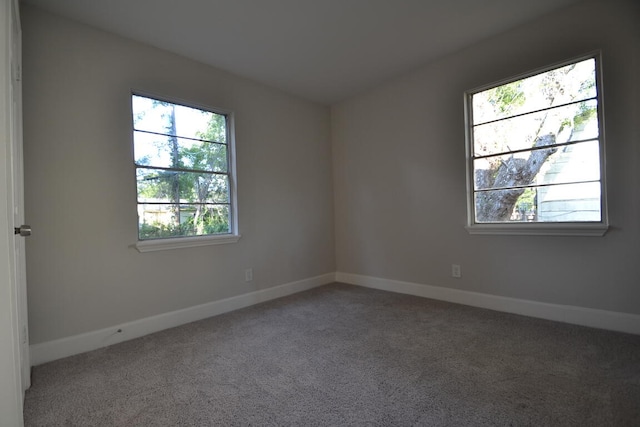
x=178, y=242
x=537, y=228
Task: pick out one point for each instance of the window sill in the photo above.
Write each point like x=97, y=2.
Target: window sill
x=539, y=229
x=185, y=242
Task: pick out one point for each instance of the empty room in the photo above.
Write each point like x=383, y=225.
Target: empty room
x=320, y=212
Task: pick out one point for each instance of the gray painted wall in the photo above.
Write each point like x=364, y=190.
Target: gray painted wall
x=83, y=274
x=399, y=171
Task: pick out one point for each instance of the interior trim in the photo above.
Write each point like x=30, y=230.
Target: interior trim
x=595, y=318
x=591, y=317
x=64, y=347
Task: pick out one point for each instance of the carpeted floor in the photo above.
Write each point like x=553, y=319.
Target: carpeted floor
x=345, y=355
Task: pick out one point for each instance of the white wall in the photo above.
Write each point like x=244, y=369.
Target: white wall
x=399, y=172
x=83, y=273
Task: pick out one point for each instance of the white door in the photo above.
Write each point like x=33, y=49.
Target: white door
x=18, y=193
x=13, y=359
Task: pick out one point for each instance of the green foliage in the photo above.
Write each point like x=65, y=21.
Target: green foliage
x=507, y=98
x=527, y=201
x=565, y=123
x=158, y=230
x=585, y=114
x=216, y=129
x=213, y=221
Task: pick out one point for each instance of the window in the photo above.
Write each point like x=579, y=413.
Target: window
x=535, y=153
x=184, y=172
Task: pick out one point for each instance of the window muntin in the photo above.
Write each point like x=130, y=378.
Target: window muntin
x=183, y=170
x=535, y=149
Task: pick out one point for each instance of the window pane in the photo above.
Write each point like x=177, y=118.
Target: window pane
x=568, y=203
x=568, y=123
x=536, y=148
x=162, y=186
x=171, y=119
x=154, y=185
x=568, y=164
x=557, y=203
x=157, y=150
x=182, y=169
x=574, y=82
x=171, y=220
x=209, y=188
x=500, y=205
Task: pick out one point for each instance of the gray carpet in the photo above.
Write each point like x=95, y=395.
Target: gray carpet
x=345, y=355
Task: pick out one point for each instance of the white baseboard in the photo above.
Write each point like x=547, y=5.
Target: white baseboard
x=602, y=319
x=57, y=349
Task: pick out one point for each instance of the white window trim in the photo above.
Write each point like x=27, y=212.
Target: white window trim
x=152, y=245
x=541, y=229
x=538, y=228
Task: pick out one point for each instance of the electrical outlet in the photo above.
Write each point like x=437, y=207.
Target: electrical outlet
x=455, y=270
x=248, y=275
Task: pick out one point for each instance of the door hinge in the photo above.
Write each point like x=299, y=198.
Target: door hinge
x=17, y=73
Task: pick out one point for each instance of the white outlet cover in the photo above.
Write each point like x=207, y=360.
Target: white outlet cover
x=455, y=270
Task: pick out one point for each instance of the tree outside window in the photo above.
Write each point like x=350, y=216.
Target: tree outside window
x=535, y=148
x=182, y=168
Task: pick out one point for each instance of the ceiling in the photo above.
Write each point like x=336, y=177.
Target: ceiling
x=322, y=50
